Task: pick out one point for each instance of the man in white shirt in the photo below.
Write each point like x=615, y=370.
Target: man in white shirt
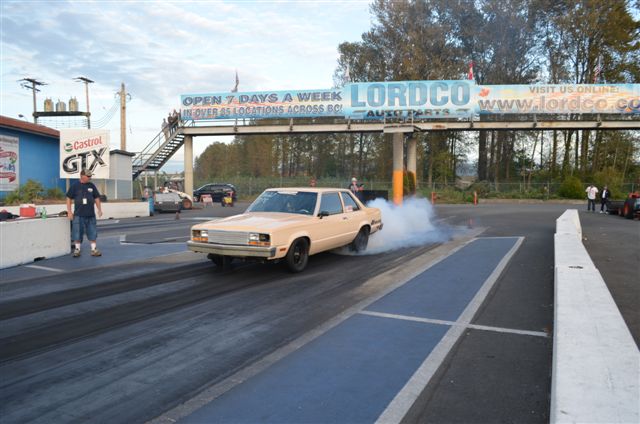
x=592, y=192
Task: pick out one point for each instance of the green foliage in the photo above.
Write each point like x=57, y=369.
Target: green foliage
x=29, y=192
x=54, y=193
x=481, y=187
x=408, y=183
x=572, y=188
x=13, y=198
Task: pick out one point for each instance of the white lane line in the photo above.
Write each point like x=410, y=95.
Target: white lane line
x=46, y=268
x=106, y=223
x=456, y=323
x=404, y=400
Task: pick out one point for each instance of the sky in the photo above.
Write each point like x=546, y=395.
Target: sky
x=162, y=49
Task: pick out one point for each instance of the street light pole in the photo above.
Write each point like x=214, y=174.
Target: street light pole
x=33, y=87
x=86, y=81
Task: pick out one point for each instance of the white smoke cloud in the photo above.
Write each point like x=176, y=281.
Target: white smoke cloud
x=408, y=225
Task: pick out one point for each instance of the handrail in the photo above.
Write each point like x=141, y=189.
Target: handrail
x=155, y=145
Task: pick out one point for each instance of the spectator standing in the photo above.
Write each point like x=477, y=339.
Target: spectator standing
x=592, y=192
x=86, y=199
x=165, y=128
x=356, y=188
x=313, y=182
x=604, y=199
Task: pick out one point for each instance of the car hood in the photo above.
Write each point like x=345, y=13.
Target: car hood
x=257, y=221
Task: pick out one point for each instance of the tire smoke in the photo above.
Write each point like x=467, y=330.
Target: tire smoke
x=408, y=225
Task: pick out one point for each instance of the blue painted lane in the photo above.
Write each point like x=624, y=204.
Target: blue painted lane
x=348, y=375
x=444, y=290
x=352, y=372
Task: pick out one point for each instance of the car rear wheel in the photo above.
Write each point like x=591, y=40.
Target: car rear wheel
x=359, y=244
x=298, y=255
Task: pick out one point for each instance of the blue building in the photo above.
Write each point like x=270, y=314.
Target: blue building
x=28, y=152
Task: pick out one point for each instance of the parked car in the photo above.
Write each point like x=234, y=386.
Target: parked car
x=167, y=202
x=288, y=224
x=217, y=191
x=628, y=208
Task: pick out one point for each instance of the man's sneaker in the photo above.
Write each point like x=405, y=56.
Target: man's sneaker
x=96, y=252
x=76, y=253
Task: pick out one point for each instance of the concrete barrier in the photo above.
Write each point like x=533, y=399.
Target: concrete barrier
x=25, y=240
x=110, y=210
x=596, y=363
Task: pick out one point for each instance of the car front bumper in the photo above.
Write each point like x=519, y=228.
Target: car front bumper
x=232, y=250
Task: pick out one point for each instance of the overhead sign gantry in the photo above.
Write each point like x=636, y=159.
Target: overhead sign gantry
x=401, y=107
x=415, y=99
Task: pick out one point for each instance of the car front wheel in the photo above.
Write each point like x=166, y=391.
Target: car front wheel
x=298, y=255
x=223, y=262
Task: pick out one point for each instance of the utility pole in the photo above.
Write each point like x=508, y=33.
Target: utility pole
x=123, y=117
x=86, y=81
x=34, y=83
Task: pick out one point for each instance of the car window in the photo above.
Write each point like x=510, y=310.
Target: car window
x=350, y=205
x=331, y=203
x=300, y=202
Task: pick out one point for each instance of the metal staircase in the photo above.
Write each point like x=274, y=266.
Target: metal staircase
x=158, y=151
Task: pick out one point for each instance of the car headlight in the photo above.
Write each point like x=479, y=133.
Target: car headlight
x=200, y=235
x=259, y=239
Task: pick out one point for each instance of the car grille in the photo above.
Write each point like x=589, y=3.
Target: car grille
x=229, y=237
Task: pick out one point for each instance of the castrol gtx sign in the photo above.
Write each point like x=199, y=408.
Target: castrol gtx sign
x=84, y=149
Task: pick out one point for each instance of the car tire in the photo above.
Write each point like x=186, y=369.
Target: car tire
x=359, y=244
x=223, y=262
x=216, y=259
x=298, y=255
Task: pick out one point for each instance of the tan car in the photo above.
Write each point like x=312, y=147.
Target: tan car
x=289, y=224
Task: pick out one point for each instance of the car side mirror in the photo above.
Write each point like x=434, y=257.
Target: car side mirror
x=323, y=214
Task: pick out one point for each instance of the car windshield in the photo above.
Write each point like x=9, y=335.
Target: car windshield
x=300, y=202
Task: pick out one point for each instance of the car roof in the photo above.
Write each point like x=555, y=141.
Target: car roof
x=309, y=189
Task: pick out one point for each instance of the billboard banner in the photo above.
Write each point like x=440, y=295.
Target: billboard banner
x=559, y=98
x=84, y=149
x=417, y=99
x=262, y=104
x=9, y=163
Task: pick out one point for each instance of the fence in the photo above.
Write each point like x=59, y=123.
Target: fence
x=249, y=187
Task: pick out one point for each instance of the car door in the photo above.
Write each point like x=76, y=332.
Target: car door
x=330, y=231
x=354, y=214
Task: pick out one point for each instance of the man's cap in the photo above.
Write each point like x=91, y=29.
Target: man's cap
x=354, y=179
x=86, y=172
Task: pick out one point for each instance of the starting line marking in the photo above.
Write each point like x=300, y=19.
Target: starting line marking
x=404, y=400
x=458, y=324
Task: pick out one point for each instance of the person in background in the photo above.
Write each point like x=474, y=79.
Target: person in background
x=313, y=182
x=592, y=192
x=604, y=199
x=165, y=129
x=356, y=188
x=86, y=199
